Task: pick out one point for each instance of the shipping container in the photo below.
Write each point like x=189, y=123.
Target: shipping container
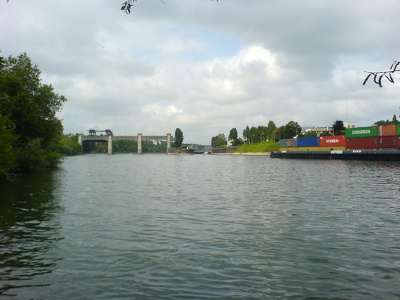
x=308, y=142
x=287, y=143
x=328, y=141
x=332, y=148
x=313, y=148
x=387, y=141
x=362, y=132
x=397, y=142
x=370, y=143
x=308, y=149
x=387, y=130
x=321, y=148
x=398, y=129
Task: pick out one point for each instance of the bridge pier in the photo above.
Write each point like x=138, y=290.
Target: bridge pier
x=109, y=143
x=80, y=142
x=139, y=143
x=169, y=138
x=110, y=138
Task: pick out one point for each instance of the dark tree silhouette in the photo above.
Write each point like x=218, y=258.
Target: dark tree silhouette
x=379, y=76
x=338, y=128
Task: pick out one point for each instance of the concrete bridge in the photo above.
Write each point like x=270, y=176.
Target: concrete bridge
x=139, y=138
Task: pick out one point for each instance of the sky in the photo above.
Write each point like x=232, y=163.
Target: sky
x=206, y=66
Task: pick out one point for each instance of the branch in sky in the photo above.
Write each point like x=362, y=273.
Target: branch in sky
x=127, y=5
x=378, y=76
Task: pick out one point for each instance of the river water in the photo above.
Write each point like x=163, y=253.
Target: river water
x=202, y=227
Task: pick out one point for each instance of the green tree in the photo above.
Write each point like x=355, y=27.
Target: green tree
x=271, y=131
x=178, y=138
x=218, y=141
x=69, y=145
x=288, y=131
x=31, y=106
x=246, y=134
x=233, y=134
x=7, y=138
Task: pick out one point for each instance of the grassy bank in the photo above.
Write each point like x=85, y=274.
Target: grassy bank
x=258, y=148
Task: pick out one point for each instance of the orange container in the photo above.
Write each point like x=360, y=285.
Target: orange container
x=387, y=130
x=332, y=141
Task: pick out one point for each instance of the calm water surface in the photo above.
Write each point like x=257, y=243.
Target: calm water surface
x=202, y=227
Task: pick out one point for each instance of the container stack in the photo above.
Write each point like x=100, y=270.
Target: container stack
x=323, y=143
x=383, y=137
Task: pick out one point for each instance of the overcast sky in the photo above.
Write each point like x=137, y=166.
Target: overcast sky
x=205, y=66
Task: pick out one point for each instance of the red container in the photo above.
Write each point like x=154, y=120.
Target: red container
x=387, y=130
x=334, y=141
x=397, y=141
x=370, y=143
x=387, y=141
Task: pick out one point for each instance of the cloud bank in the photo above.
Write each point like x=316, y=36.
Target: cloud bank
x=205, y=66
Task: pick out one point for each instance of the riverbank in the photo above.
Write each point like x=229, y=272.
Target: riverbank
x=264, y=148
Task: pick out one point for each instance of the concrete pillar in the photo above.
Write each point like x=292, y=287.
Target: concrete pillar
x=169, y=138
x=139, y=143
x=80, y=142
x=110, y=149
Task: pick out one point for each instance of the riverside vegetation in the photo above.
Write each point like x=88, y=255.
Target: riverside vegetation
x=30, y=132
x=265, y=147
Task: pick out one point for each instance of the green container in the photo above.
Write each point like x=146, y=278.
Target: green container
x=398, y=129
x=362, y=132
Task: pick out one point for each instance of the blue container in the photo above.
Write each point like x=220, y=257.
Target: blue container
x=288, y=143
x=308, y=142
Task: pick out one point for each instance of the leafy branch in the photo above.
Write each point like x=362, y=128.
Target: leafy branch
x=127, y=5
x=378, y=76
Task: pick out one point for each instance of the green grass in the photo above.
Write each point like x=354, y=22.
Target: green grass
x=258, y=147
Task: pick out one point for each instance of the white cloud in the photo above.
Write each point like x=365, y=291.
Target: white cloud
x=206, y=67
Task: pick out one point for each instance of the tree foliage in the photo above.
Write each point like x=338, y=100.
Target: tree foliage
x=338, y=128
x=379, y=76
x=233, y=134
x=218, y=141
x=288, y=131
x=260, y=133
x=7, y=139
x=178, y=138
x=31, y=108
x=233, y=137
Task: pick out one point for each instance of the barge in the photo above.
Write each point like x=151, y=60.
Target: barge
x=371, y=155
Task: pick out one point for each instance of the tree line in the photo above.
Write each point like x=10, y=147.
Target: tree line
x=259, y=134
x=271, y=133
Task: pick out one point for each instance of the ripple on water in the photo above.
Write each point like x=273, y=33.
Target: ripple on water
x=227, y=227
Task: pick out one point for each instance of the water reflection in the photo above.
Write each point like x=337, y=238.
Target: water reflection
x=28, y=230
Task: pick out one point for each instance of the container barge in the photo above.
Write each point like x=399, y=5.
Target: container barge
x=379, y=143
x=373, y=155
